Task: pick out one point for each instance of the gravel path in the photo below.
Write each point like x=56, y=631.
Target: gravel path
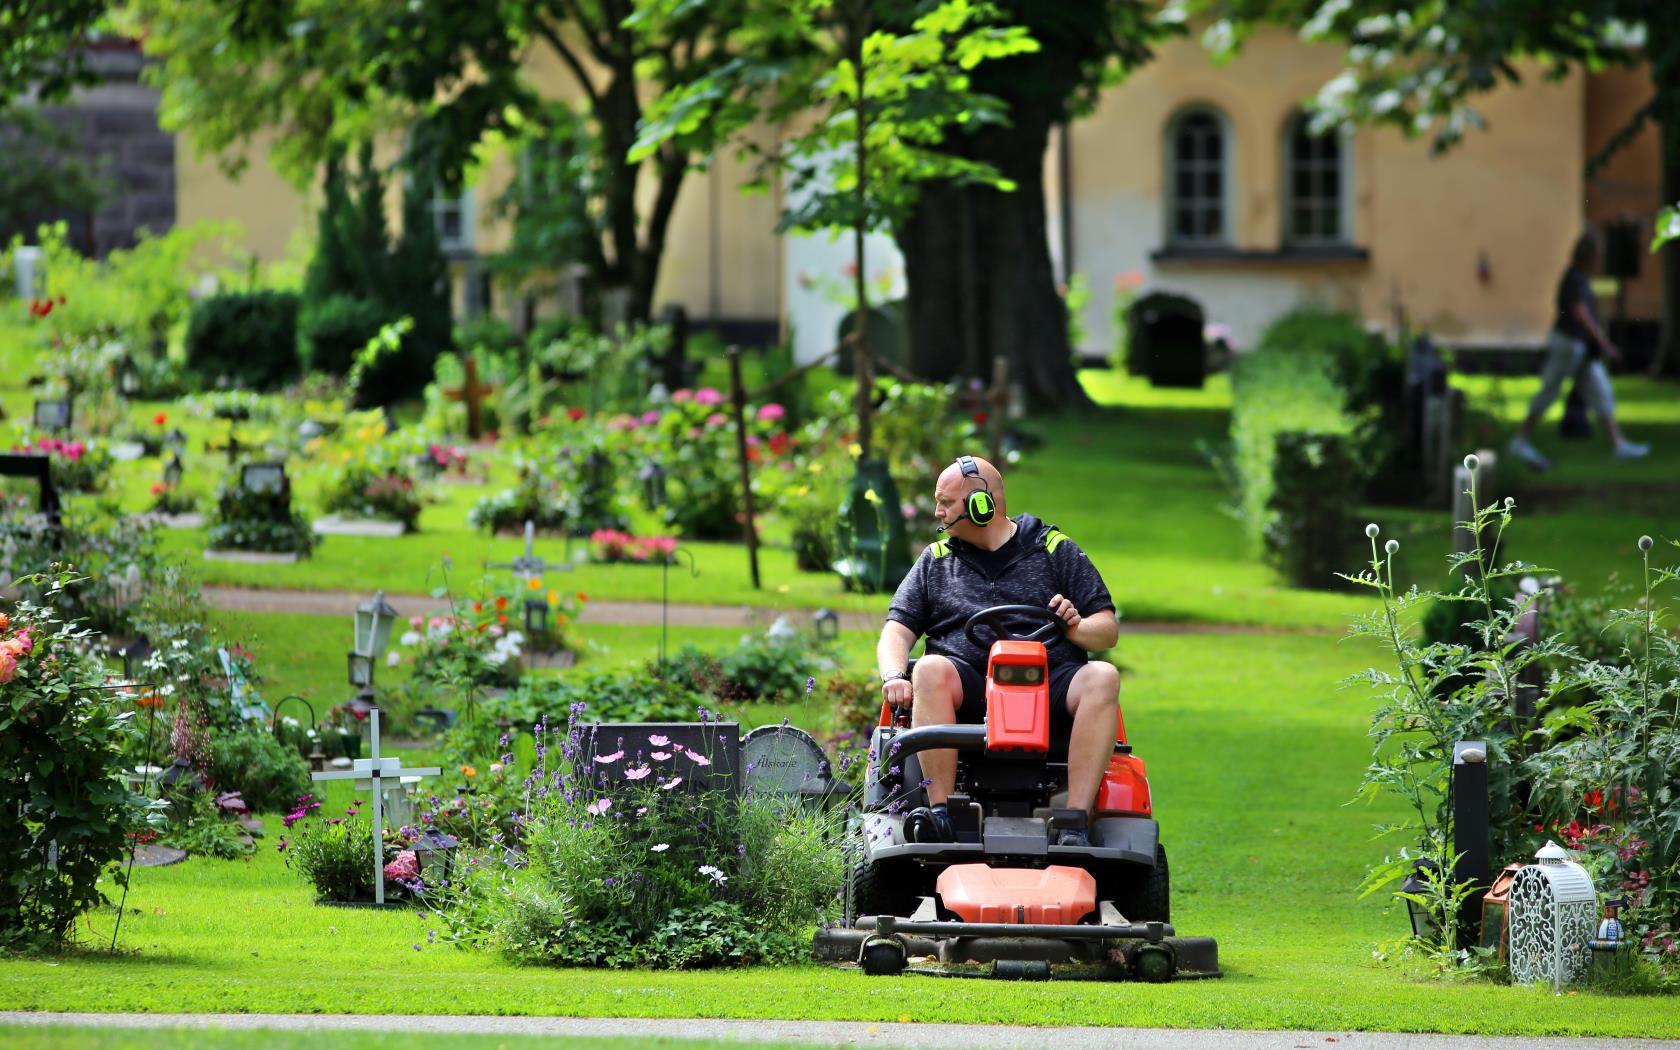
x=841, y=1033
x=341, y=603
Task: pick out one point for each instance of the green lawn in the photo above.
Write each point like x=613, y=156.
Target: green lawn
x=1252, y=749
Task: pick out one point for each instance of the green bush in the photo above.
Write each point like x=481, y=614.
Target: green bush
x=249, y=338
x=196, y=824
x=332, y=330
x=333, y=855
x=1273, y=394
x=267, y=774
x=1316, y=479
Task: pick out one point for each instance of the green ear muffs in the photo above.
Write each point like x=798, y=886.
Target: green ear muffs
x=980, y=507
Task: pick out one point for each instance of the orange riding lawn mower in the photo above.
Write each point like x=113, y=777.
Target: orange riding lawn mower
x=1006, y=899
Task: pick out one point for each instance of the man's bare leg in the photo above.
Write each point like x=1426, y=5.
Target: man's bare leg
x=1094, y=701
x=938, y=694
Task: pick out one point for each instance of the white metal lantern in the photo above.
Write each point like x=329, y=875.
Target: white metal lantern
x=373, y=626
x=1554, y=913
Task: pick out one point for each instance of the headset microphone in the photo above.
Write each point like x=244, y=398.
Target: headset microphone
x=949, y=525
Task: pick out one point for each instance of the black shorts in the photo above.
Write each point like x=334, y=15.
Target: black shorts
x=973, y=708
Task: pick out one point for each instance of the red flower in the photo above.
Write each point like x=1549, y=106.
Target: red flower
x=980, y=418
x=160, y=419
x=575, y=414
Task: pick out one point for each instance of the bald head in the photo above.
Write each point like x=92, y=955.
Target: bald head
x=951, y=491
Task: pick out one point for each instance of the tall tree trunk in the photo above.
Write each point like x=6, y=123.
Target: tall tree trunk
x=1007, y=251
x=1667, y=361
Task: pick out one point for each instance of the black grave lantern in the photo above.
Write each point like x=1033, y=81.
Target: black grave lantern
x=652, y=477
x=826, y=624
x=172, y=471
x=536, y=618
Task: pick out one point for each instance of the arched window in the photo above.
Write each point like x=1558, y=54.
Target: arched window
x=1197, y=178
x=1315, y=185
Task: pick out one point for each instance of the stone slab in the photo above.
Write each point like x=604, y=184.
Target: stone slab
x=181, y=521
x=254, y=557
x=333, y=525
x=149, y=856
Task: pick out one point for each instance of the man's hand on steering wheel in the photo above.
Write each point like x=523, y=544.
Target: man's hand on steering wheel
x=1064, y=609
x=897, y=693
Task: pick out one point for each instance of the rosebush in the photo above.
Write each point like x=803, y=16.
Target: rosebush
x=65, y=812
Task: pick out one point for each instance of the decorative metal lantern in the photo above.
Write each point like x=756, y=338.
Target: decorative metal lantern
x=536, y=619
x=434, y=854
x=176, y=439
x=1554, y=914
x=374, y=618
x=128, y=377
x=172, y=471
x=827, y=624
x=1417, y=885
x=53, y=414
x=134, y=657
x=652, y=477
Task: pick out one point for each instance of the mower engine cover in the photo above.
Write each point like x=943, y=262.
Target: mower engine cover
x=1057, y=895
x=1018, y=697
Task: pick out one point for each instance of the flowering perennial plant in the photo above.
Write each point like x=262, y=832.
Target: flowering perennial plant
x=1602, y=776
x=612, y=545
x=646, y=869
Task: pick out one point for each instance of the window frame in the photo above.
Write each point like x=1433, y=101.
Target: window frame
x=1227, y=178
x=1289, y=234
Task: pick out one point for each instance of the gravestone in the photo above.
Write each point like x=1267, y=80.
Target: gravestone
x=38, y=467
x=672, y=366
x=375, y=775
x=1166, y=340
x=574, y=291
x=29, y=269
x=1443, y=421
x=783, y=760
x=615, y=309
x=53, y=414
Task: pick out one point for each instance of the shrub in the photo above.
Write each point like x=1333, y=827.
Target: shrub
x=196, y=824
x=65, y=813
x=762, y=667
x=331, y=330
x=1276, y=394
x=248, y=338
x=258, y=521
x=533, y=498
x=1316, y=479
x=334, y=854
x=267, y=774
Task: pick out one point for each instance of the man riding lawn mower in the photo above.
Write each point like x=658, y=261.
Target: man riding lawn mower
x=1006, y=820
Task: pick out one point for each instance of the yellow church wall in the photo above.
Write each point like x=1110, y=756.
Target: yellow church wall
x=1512, y=192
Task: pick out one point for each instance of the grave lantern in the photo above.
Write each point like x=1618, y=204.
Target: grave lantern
x=53, y=414
x=536, y=619
x=1417, y=885
x=172, y=471
x=1553, y=916
x=434, y=855
x=652, y=477
x=374, y=618
x=827, y=624
x=176, y=439
x=135, y=655
x=128, y=376
x=596, y=471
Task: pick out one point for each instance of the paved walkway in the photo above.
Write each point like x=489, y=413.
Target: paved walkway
x=841, y=1033
x=643, y=614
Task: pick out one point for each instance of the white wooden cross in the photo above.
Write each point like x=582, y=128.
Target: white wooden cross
x=368, y=773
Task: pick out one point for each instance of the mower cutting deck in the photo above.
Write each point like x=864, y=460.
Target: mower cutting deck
x=1005, y=898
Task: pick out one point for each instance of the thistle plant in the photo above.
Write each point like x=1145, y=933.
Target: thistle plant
x=1439, y=694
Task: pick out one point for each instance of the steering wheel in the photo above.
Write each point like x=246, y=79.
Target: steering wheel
x=1053, y=625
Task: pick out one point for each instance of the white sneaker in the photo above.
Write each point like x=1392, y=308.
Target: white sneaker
x=1524, y=450
x=1631, y=450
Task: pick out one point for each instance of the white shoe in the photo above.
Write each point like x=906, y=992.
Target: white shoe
x=1631, y=450
x=1524, y=450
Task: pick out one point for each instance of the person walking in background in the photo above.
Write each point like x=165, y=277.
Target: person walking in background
x=1577, y=347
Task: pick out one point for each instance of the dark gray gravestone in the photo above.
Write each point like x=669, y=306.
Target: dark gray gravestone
x=637, y=745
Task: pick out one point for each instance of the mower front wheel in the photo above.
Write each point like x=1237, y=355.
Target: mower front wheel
x=883, y=957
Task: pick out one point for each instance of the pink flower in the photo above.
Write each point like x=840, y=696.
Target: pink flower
x=771, y=412
x=640, y=810
x=8, y=666
x=707, y=396
x=698, y=759
x=607, y=760
x=650, y=417
x=599, y=806
x=716, y=419
x=660, y=756
x=685, y=394
x=406, y=867
x=659, y=741
x=669, y=784
x=639, y=773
